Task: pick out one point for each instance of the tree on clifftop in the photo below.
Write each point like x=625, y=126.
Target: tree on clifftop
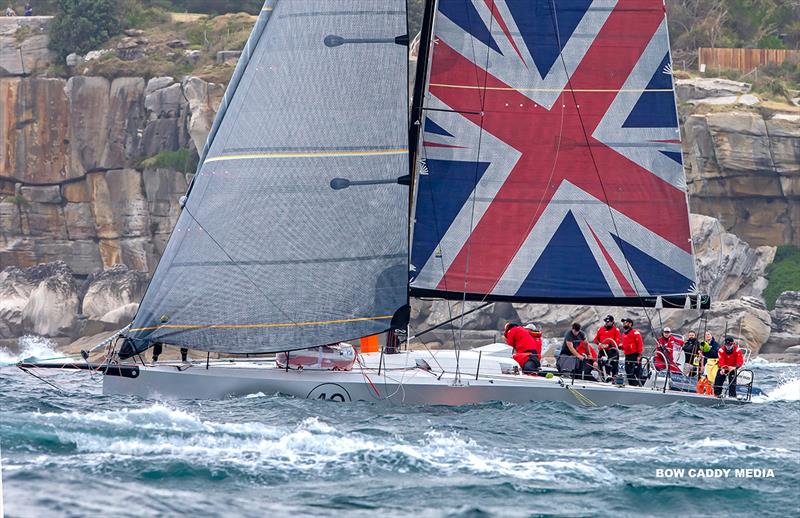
x=83, y=25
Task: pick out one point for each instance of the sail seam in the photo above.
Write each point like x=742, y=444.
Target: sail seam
x=251, y=326
x=320, y=154
x=579, y=90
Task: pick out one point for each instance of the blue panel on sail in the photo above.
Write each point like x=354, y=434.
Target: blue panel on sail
x=658, y=278
x=656, y=106
x=674, y=155
x=464, y=14
x=440, y=196
x=545, y=33
x=566, y=267
x=432, y=127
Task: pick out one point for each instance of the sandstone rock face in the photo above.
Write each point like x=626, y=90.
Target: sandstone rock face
x=41, y=300
x=727, y=267
x=785, y=323
x=69, y=151
x=23, y=45
x=746, y=318
x=46, y=300
x=704, y=88
x=744, y=170
x=112, y=289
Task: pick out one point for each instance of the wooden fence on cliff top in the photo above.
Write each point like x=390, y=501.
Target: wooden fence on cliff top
x=743, y=60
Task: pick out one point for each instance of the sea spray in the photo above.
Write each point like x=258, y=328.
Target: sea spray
x=30, y=347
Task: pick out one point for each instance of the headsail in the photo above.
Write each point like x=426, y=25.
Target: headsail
x=294, y=233
x=550, y=155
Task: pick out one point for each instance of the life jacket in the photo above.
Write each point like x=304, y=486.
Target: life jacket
x=705, y=387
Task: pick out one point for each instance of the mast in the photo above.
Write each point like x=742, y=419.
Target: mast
x=420, y=80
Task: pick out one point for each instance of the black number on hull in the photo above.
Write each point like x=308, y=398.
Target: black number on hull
x=334, y=397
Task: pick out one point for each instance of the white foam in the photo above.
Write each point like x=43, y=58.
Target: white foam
x=759, y=362
x=30, y=346
x=158, y=432
x=787, y=390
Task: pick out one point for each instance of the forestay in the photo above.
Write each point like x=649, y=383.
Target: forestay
x=267, y=255
x=550, y=155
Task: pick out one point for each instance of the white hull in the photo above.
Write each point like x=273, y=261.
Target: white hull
x=401, y=384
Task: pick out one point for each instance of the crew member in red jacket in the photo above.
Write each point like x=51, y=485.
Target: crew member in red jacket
x=526, y=350
x=608, y=339
x=632, y=347
x=730, y=360
x=667, y=345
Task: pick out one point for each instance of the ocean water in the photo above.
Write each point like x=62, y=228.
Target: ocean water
x=78, y=453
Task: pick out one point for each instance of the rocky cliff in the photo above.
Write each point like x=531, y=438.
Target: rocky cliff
x=73, y=188
x=743, y=162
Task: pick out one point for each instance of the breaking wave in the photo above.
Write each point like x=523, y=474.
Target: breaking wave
x=160, y=436
x=30, y=347
x=787, y=390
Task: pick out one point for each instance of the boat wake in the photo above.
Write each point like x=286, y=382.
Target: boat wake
x=159, y=441
x=788, y=389
x=30, y=347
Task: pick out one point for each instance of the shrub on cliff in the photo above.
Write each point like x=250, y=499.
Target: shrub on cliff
x=783, y=274
x=83, y=25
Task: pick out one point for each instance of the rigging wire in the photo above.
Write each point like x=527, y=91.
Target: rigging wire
x=476, y=181
x=239, y=266
x=594, y=162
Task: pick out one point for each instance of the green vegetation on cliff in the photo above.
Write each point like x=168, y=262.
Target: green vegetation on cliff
x=783, y=274
x=83, y=25
x=182, y=160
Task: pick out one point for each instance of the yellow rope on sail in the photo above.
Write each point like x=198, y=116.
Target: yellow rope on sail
x=251, y=326
x=310, y=154
x=558, y=90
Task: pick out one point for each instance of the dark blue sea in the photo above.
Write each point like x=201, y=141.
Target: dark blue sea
x=79, y=453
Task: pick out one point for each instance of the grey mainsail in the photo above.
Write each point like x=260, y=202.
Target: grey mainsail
x=294, y=233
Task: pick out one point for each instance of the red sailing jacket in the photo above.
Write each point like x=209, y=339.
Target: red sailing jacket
x=666, y=346
x=632, y=342
x=730, y=359
x=521, y=340
x=582, y=350
x=605, y=336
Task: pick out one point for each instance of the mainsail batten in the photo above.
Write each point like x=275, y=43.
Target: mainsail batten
x=270, y=253
x=551, y=156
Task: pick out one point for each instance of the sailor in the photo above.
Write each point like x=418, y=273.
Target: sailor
x=184, y=354
x=632, y=347
x=158, y=348
x=667, y=345
x=28, y=9
x=709, y=348
x=577, y=356
x=730, y=360
x=526, y=350
x=691, y=348
x=536, y=334
x=608, y=339
x=10, y=11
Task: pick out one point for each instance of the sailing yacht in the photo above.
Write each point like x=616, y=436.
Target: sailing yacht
x=541, y=164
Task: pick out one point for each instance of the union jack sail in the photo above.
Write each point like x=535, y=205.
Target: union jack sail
x=550, y=156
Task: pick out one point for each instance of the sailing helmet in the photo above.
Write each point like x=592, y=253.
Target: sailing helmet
x=509, y=326
x=626, y=319
x=609, y=318
x=666, y=330
x=729, y=343
x=531, y=327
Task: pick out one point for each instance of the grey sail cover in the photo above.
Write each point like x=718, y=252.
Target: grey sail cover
x=267, y=255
